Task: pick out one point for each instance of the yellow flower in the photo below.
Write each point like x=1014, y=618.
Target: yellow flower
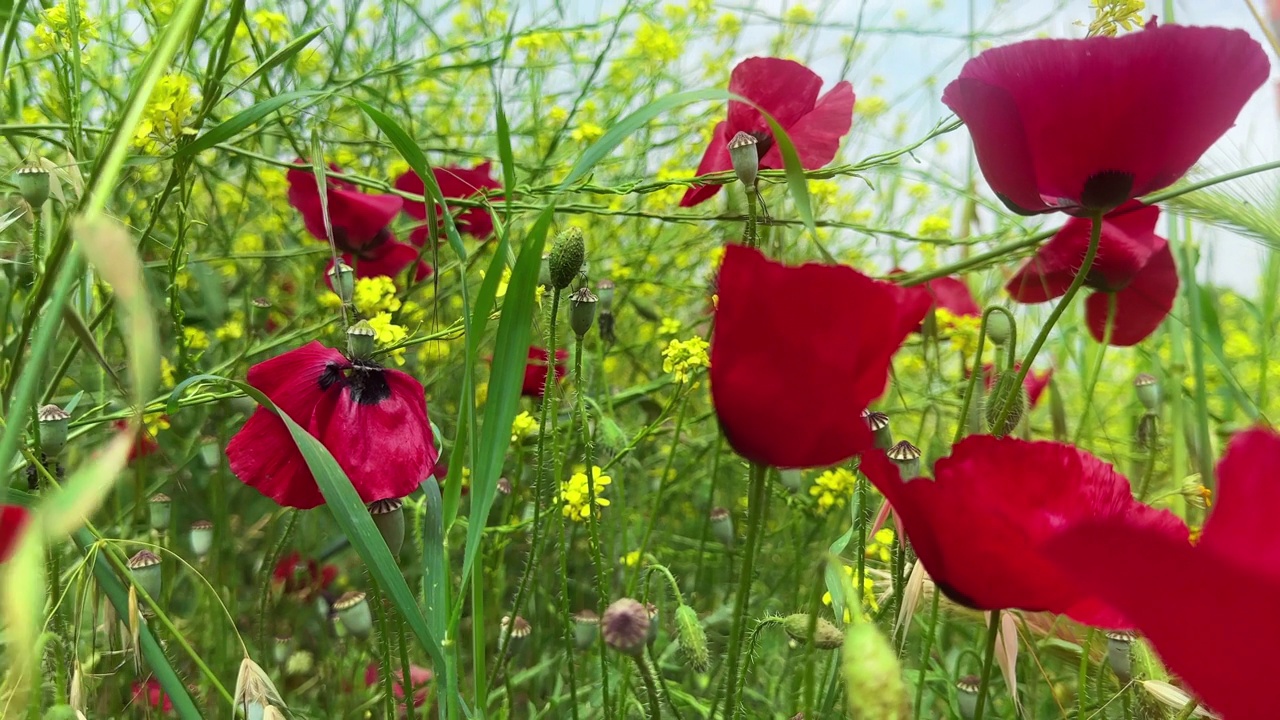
x=631, y=559
x=388, y=333
x=557, y=114
x=669, y=326
x=524, y=426
x=166, y=113
x=833, y=488
x=881, y=545
x=728, y=25
x=963, y=330
x=196, y=339
x=248, y=243
x=167, y=372
x=935, y=226
x=684, y=357
x=375, y=295
x=155, y=422
x=576, y=494
x=1110, y=15
x=655, y=43
x=273, y=25
x=798, y=14
x=329, y=300
x=871, y=106
x=233, y=329
x=868, y=596
x=586, y=132
x=53, y=33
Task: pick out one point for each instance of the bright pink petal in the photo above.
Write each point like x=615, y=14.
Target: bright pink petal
x=12, y=519
x=952, y=295
x=798, y=352
x=378, y=431
x=999, y=141
x=785, y=89
x=535, y=371
x=1036, y=383
x=409, y=182
x=356, y=217
x=817, y=134
x=1242, y=523
x=454, y=182
x=1141, y=306
x=389, y=258
x=715, y=159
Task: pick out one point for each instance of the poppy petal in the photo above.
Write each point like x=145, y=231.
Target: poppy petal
x=785, y=89
x=817, y=134
x=999, y=142
x=12, y=519
x=797, y=352
x=715, y=159
x=952, y=294
x=979, y=525
x=356, y=217
x=1212, y=620
x=389, y=258
x=535, y=371
x=1141, y=306
x=454, y=181
x=378, y=431
x=1241, y=525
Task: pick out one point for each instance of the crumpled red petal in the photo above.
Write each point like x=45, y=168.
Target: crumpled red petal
x=535, y=371
x=952, y=294
x=785, y=89
x=798, y=352
x=356, y=217
x=715, y=159
x=13, y=518
x=1141, y=306
x=455, y=181
x=1242, y=523
x=817, y=134
x=389, y=258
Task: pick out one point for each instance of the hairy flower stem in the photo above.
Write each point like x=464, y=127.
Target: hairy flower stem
x=993, y=629
x=926, y=650
x=268, y=571
x=755, y=523
x=650, y=685
x=384, y=649
x=566, y=617
x=1095, y=238
x=37, y=241
x=1082, y=679
x=593, y=521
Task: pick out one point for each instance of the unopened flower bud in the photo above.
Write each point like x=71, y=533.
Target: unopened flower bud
x=605, y=290
x=745, y=158
x=693, y=639
x=1118, y=645
x=145, y=568
x=353, y=610
x=582, y=311
x=999, y=328
x=388, y=515
x=906, y=457
x=159, y=511
x=967, y=696
x=1148, y=389
x=33, y=185
x=722, y=526
x=586, y=628
x=826, y=636
x=1006, y=386
x=879, y=424
x=201, y=538
x=343, y=280
x=361, y=338
x=568, y=253
x=625, y=626
x=872, y=676
x=54, y=423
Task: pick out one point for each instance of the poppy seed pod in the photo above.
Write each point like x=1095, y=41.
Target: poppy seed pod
x=1006, y=385
x=159, y=511
x=33, y=185
x=879, y=424
x=872, y=675
x=586, y=628
x=568, y=253
x=722, y=526
x=361, y=338
x=1148, y=389
x=745, y=157
x=605, y=290
x=145, y=568
x=1118, y=645
x=999, y=327
x=693, y=639
x=53, y=429
x=388, y=515
x=211, y=453
x=791, y=478
x=625, y=626
x=517, y=629
x=582, y=311
x=201, y=538
x=282, y=649
x=354, y=612
x=826, y=636
x=343, y=281
x=907, y=459
x=967, y=696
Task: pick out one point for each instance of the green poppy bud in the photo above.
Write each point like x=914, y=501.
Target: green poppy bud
x=145, y=568
x=999, y=328
x=1148, y=389
x=582, y=311
x=745, y=157
x=1006, y=385
x=354, y=612
x=361, y=338
x=872, y=676
x=693, y=640
x=388, y=515
x=201, y=538
x=568, y=253
x=54, y=423
x=159, y=511
x=826, y=636
x=33, y=185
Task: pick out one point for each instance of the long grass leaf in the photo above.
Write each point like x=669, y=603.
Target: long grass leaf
x=233, y=125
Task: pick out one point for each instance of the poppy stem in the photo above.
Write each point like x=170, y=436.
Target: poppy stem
x=593, y=521
x=1096, y=370
x=755, y=520
x=384, y=648
x=1095, y=238
x=650, y=686
x=751, y=234
x=993, y=629
x=925, y=651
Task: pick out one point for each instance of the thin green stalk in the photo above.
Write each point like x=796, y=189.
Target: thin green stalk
x=988, y=658
x=1096, y=370
x=1188, y=710
x=925, y=652
x=755, y=521
x=1095, y=237
x=478, y=637
x=650, y=686
x=384, y=649
x=593, y=521
x=1082, y=677
x=566, y=618
x=268, y=570
x=656, y=511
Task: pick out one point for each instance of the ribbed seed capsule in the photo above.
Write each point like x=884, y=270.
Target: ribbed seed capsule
x=54, y=423
x=879, y=424
x=145, y=568
x=745, y=158
x=582, y=311
x=967, y=696
x=906, y=457
x=361, y=337
x=343, y=280
x=722, y=526
x=354, y=612
x=159, y=510
x=1148, y=389
x=388, y=515
x=1118, y=645
x=33, y=185
x=201, y=538
x=586, y=628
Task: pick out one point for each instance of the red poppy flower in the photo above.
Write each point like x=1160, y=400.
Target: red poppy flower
x=372, y=419
x=1209, y=609
x=455, y=182
x=388, y=257
x=1035, y=383
x=357, y=218
x=12, y=519
x=798, y=352
x=1133, y=265
x=535, y=372
x=305, y=579
x=952, y=294
x=978, y=526
x=145, y=444
x=149, y=692
x=1083, y=125
x=788, y=91
x=420, y=678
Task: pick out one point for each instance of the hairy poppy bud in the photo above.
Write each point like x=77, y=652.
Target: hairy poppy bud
x=145, y=568
x=1118, y=644
x=388, y=515
x=54, y=423
x=693, y=640
x=872, y=676
x=360, y=338
x=605, y=290
x=343, y=280
x=568, y=253
x=1148, y=389
x=33, y=185
x=967, y=696
x=158, y=511
x=586, y=628
x=907, y=459
x=625, y=626
x=201, y=538
x=879, y=424
x=745, y=158
x=353, y=610
x=999, y=328
x=826, y=636
x=1005, y=386
x=722, y=526
x=582, y=311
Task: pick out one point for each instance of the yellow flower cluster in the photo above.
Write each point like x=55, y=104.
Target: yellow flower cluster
x=166, y=113
x=389, y=333
x=631, y=559
x=655, y=43
x=935, y=226
x=868, y=597
x=833, y=488
x=196, y=338
x=53, y=33
x=962, y=330
x=576, y=495
x=669, y=326
x=1111, y=15
x=881, y=545
x=375, y=295
x=524, y=426
x=586, y=132
x=683, y=358
x=232, y=329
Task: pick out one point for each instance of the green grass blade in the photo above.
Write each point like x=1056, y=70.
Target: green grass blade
x=283, y=55
x=232, y=126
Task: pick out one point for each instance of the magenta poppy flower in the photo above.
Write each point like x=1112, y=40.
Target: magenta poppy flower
x=535, y=372
x=952, y=294
x=978, y=525
x=420, y=678
x=303, y=579
x=1035, y=383
x=150, y=694
x=372, y=419
x=389, y=257
x=1209, y=609
x=788, y=91
x=455, y=181
x=13, y=518
x=798, y=352
x=1133, y=265
x=1083, y=125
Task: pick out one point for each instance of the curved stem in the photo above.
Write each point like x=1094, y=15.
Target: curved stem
x=755, y=521
x=993, y=629
x=924, y=653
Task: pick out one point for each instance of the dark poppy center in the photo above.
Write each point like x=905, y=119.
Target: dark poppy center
x=1106, y=190
x=365, y=380
x=764, y=142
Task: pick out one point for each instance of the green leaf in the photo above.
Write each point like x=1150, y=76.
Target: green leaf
x=231, y=127
x=833, y=577
x=283, y=55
